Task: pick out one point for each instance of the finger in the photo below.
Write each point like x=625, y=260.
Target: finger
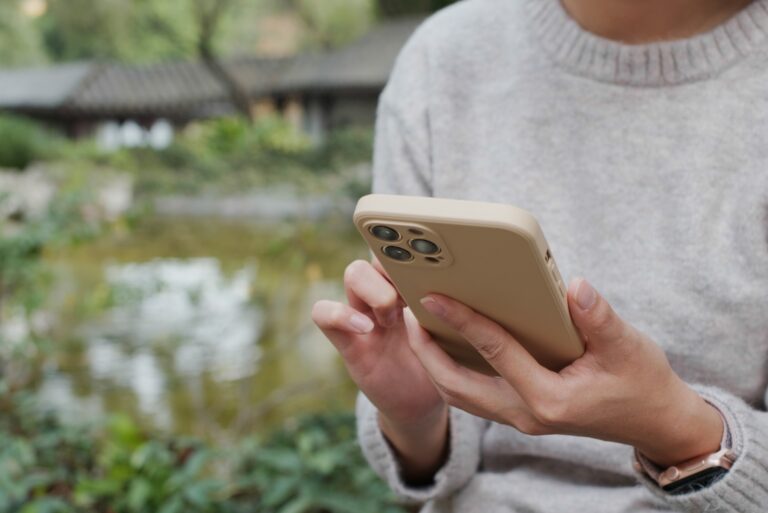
x=464, y=388
x=339, y=322
x=377, y=265
x=500, y=349
x=594, y=317
x=367, y=290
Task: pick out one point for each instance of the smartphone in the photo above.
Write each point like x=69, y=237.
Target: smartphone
x=490, y=256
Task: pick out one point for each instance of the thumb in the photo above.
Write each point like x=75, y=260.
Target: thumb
x=594, y=317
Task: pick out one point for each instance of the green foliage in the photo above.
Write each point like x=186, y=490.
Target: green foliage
x=20, y=41
x=228, y=136
x=23, y=141
x=150, y=31
x=126, y=30
x=142, y=30
x=332, y=23
x=40, y=459
x=231, y=155
x=22, y=277
x=347, y=146
x=136, y=473
x=314, y=466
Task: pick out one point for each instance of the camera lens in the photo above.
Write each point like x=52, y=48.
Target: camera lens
x=385, y=233
x=424, y=246
x=396, y=253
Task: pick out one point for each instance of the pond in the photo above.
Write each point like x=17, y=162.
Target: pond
x=199, y=327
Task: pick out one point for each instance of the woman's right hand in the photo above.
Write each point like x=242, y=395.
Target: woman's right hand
x=371, y=337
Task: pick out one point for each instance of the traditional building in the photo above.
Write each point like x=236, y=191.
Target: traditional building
x=318, y=92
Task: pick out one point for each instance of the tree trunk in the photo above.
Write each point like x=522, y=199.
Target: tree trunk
x=209, y=15
x=238, y=95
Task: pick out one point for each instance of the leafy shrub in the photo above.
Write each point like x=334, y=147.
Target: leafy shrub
x=231, y=154
x=49, y=467
x=137, y=473
x=349, y=146
x=233, y=138
x=314, y=466
x=23, y=141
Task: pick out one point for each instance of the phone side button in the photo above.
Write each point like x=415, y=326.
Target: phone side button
x=558, y=279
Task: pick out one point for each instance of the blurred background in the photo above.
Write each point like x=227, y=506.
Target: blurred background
x=176, y=184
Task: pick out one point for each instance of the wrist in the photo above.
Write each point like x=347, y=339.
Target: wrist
x=421, y=445
x=690, y=427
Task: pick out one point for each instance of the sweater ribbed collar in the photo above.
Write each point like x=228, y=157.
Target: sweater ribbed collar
x=653, y=64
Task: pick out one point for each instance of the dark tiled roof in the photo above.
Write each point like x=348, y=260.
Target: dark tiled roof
x=188, y=89
x=258, y=76
x=161, y=89
x=41, y=88
x=364, y=64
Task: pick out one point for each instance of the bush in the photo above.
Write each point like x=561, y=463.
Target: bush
x=315, y=466
x=23, y=141
x=230, y=154
x=235, y=138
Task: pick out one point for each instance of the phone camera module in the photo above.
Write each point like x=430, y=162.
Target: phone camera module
x=385, y=233
x=399, y=254
x=425, y=247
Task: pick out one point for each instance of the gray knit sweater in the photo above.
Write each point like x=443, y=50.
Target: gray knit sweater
x=647, y=167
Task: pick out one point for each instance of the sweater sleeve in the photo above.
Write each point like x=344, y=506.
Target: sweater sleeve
x=744, y=489
x=466, y=433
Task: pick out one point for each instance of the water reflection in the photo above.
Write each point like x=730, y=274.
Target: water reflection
x=190, y=302
x=206, y=333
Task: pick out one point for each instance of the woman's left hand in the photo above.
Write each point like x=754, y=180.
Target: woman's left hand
x=622, y=389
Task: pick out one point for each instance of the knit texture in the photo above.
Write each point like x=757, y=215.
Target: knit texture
x=646, y=167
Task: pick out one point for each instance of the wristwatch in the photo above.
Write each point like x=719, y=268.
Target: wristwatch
x=694, y=474
x=691, y=475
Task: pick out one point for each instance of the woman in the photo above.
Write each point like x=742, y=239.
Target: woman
x=636, y=133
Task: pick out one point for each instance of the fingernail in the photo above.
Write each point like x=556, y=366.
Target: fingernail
x=586, y=296
x=361, y=323
x=433, y=306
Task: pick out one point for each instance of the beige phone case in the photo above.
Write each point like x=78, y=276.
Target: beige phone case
x=492, y=257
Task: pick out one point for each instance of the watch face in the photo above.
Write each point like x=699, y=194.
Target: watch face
x=696, y=482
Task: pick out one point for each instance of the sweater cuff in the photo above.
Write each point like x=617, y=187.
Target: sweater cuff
x=744, y=489
x=463, y=459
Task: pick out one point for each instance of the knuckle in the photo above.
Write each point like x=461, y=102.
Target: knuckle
x=461, y=321
x=354, y=270
x=320, y=312
x=603, y=320
x=492, y=348
x=551, y=413
x=386, y=298
x=530, y=427
x=449, y=389
x=336, y=315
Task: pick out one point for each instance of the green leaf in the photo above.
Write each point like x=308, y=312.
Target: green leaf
x=298, y=505
x=280, y=491
x=47, y=505
x=279, y=459
x=343, y=503
x=174, y=505
x=98, y=488
x=200, y=494
x=124, y=431
x=139, y=495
